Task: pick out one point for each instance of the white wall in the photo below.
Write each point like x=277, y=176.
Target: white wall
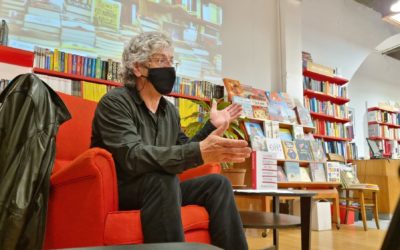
x=250, y=45
x=376, y=80
x=343, y=33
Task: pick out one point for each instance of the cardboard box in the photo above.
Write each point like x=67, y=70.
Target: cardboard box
x=320, y=214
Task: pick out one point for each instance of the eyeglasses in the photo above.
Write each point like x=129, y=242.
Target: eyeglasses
x=162, y=61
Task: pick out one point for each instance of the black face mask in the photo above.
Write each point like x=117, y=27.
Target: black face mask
x=163, y=79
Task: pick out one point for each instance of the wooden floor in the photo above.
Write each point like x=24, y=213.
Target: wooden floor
x=348, y=237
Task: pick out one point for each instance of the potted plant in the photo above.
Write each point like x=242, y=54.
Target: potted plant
x=234, y=131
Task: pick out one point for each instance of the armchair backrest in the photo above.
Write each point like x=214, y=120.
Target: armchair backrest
x=73, y=137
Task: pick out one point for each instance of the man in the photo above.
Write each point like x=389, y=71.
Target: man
x=142, y=131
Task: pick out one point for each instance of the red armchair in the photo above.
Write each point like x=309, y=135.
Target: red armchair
x=83, y=204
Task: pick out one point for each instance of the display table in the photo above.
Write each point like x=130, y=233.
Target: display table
x=275, y=220
x=384, y=173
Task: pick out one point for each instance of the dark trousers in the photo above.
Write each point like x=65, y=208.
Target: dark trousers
x=159, y=197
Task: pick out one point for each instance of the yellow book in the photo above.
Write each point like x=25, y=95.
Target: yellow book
x=56, y=60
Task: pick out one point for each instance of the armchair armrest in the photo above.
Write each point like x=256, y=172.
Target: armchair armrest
x=200, y=171
x=82, y=193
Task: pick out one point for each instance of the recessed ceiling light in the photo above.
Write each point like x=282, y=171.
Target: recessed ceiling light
x=395, y=7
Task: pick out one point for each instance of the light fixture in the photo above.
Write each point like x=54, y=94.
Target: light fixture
x=395, y=7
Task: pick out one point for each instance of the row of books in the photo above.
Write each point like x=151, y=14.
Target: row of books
x=61, y=61
x=384, y=131
x=197, y=88
x=3, y=33
x=328, y=128
x=282, y=143
x=86, y=90
x=335, y=147
x=3, y=84
x=352, y=151
x=326, y=107
x=383, y=116
x=315, y=172
x=325, y=87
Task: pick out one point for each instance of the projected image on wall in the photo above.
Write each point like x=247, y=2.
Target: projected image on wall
x=102, y=27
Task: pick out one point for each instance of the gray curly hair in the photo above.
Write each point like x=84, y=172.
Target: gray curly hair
x=138, y=50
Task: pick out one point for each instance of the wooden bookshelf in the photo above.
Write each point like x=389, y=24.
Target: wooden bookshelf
x=310, y=185
x=75, y=77
x=325, y=97
x=301, y=163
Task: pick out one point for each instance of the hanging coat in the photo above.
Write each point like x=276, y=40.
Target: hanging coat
x=30, y=115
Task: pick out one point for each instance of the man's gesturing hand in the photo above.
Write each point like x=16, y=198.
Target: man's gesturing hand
x=217, y=149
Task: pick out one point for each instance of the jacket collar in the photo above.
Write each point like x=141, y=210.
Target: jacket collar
x=138, y=99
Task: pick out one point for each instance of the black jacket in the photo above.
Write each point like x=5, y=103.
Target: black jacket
x=30, y=115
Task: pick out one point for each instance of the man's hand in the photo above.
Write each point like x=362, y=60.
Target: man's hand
x=220, y=117
x=217, y=149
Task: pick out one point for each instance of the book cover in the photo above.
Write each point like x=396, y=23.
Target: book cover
x=291, y=116
x=259, y=94
x=281, y=175
x=298, y=132
x=317, y=151
x=253, y=129
x=288, y=99
x=264, y=170
x=274, y=145
x=304, y=116
x=247, y=91
x=317, y=172
x=292, y=170
x=233, y=88
x=268, y=129
x=278, y=113
x=275, y=129
x=304, y=150
x=289, y=148
x=247, y=109
x=285, y=134
x=304, y=175
x=332, y=171
x=260, y=112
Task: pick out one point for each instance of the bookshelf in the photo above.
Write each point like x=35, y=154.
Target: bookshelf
x=384, y=129
x=75, y=77
x=326, y=98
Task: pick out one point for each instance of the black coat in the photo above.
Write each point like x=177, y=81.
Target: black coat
x=30, y=115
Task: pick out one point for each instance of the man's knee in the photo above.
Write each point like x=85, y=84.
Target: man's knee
x=162, y=185
x=220, y=182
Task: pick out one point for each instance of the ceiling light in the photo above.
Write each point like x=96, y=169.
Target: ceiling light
x=395, y=7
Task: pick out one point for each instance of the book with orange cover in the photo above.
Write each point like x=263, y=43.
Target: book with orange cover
x=233, y=87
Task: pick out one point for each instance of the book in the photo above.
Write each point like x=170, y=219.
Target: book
x=317, y=151
x=259, y=94
x=285, y=134
x=268, y=128
x=253, y=129
x=304, y=116
x=264, y=170
x=278, y=113
x=332, y=171
x=233, y=88
x=247, y=108
x=304, y=175
x=274, y=145
x=275, y=129
x=317, y=172
x=304, y=150
x=3, y=33
x=260, y=112
x=289, y=148
x=281, y=174
x=298, y=132
x=288, y=99
x=292, y=170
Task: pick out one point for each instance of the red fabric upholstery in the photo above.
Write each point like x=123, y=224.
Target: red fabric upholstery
x=83, y=204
